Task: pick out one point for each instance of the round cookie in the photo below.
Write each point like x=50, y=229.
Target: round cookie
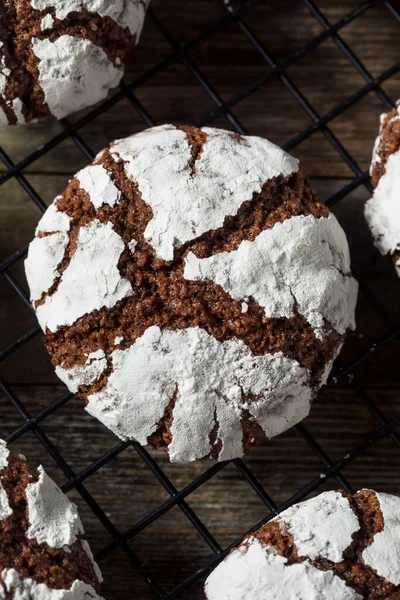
x=59, y=56
x=334, y=546
x=382, y=211
x=42, y=553
x=192, y=290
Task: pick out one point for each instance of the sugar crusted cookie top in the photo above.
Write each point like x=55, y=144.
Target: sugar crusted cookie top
x=332, y=546
x=65, y=55
x=382, y=211
x=202, y=254
x=42, y=553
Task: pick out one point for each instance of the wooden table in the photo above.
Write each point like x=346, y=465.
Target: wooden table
x=125, y=488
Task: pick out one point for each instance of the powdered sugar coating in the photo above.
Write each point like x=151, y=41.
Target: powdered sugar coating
x=126, y=13
x=17, y=108
x=300, y=265
x=73, y=73
x=90, y=281
x=21, y=588
x=315, y=528
x=83, y=375
x=257, y=571
x=382, y=211
x=15, y=105
x=132, y=245
x=53, y=519
x=184, y=204
x=5, y=509
x=44, y=256
x=47, y=22
x=383, y=554
x=53, y=220
x=4, y=454
x=210, y=379
x=96, y=181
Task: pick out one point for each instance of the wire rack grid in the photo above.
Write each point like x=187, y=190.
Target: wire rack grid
x=235, y=14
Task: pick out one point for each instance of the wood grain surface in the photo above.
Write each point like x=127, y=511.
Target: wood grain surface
x=125, y=488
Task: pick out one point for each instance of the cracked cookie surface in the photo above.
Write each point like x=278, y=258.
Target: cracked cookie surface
x=42, y=551
x=192, y=290
x=57, y=57
x=332, y=546
x=382, y=211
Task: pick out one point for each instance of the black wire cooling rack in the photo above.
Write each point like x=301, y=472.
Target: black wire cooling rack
x=235, y=14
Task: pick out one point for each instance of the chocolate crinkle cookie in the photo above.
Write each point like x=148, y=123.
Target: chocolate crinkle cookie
x=382, y=211
x=58, y=56
x=332, y=547
x=192, y=290
x=42, y=553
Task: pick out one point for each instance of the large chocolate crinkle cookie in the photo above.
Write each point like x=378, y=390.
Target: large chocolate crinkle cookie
x=42, y=553
x=58, y=56
x=332, y=547
x=192, y=290
x=382, y=211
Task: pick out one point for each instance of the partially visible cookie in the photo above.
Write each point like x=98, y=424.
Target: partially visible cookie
x=382, y=211
x=332, y=547
x=42, y=553
x=57, y=57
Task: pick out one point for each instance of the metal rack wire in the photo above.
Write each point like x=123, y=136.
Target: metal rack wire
x=320, y=123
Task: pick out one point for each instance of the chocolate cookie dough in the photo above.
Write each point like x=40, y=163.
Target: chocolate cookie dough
x=332, y=547
x=382, y=211
x=42, y=553
x=59, y=56
x=192, y=290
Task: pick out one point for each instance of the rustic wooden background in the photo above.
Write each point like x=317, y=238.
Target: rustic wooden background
x=125, y=488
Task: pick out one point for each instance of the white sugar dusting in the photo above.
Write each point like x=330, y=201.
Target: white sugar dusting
x=47, y=22
x=208, y=378
x=96, y=181
x=44, y=256
x=22, y=588
x=46, y=253
x=383, y=554
x=53, y=519
x=322, y=526
x=5, y=509
x=83, y=375
x=132, y=246
x=73, y=73
x=54, y=220
x=298, y=265
x=184, y=204
x=17, y=108
x=90, y=281
x=382, y=211
x=125, y=13
x=257, y=571
x=4, y=454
